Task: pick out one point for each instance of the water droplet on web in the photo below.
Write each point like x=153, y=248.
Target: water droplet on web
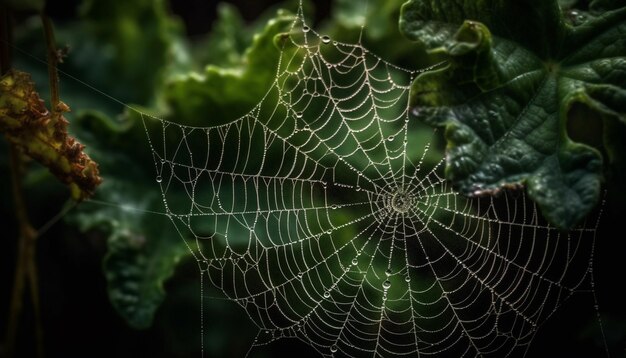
x=391, y=138
x=299, y=115
x=355, y=261
x=386, y=284
x=358, y=188
x=335, y=43
x=407, y=278
x=306, y=29
x=300, y=274
x=162, y=160
x=159, y=179
x=334, y=206
x=327, y=294
x=326, y=39
x=388, y=272
x=333, y=348
x=328, y=232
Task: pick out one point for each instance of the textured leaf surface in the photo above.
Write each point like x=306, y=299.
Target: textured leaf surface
x=515, y=73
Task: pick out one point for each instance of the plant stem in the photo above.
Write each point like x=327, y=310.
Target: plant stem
x=26, y=264
x=5, y=36
x=53, y=60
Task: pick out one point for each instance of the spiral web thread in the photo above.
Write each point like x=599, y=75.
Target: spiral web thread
x=323, y=215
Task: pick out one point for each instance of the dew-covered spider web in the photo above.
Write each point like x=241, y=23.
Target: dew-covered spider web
x=324, y=215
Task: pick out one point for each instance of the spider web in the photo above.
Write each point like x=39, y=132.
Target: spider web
x=323, y=215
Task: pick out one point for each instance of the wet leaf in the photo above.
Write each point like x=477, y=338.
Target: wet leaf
x=514, y=72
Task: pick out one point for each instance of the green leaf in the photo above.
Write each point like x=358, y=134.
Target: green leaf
x=381, y=35
x=220, y=95
x=142, y=252
x=514, y=73
x=131, y=40
x=230, y=37
x=111, y=47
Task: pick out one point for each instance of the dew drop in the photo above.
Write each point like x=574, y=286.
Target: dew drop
x=329, y=232
x=306, y=29
x=162, y=160
x=334, y=206
x=327, y=294
x=326, y=39
x=300, y=274
x=386, y=284
x=159, y=179
x=358, y=188
x=335, y=43
x=299, y=115
x=355, y=261
x=391, y=138
x=388, y=272
x=333, y=348
x=407, y=278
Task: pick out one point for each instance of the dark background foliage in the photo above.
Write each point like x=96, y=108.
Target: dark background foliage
x=79, y=320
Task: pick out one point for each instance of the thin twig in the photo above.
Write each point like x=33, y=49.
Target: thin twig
x=26, y=264
x=25, y=267
x=5, y=35
x=53, y=60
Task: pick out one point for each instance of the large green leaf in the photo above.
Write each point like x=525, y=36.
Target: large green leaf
x=221, y=95
x=381, y=35
x=516, y=74
x=143, y=250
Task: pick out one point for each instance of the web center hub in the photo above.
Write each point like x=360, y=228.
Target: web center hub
x=401, y=202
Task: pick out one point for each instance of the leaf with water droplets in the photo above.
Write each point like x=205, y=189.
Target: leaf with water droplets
x=520, y=94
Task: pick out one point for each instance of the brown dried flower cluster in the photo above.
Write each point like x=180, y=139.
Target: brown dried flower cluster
x=42, y=134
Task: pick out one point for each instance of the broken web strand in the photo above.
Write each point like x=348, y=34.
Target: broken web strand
x=310, y=213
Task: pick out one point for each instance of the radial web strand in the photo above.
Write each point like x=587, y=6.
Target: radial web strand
x=324, y=216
